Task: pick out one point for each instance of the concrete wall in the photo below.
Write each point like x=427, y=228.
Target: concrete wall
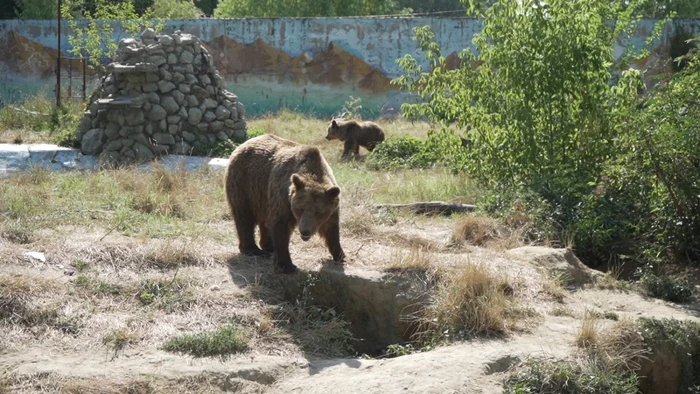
x=308, y=64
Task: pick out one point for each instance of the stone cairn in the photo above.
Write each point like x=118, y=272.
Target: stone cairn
x=162, y=95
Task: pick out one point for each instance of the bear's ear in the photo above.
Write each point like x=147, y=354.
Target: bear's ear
x=334, y=124
x=297, y=182
x=333, y=192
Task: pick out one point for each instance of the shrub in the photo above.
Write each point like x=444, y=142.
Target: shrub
x=665, y=287
x=226, y=340
x=404, y=151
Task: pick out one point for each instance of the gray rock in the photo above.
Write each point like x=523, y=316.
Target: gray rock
x=234, y=113
x=240, y=125
x=211, y=138
x=203, y=127
x=148, y=34
x=189, y=137
x=240, y=109
x=128, y=153
x=147, y=106
x=229, y=123
x=172, y=58
x=187, y=39
x=196, y=47
x=178, y=96
x=205, y=79
x=228, y=104
x=171, y=106
x=149, y=87
x=230, y=96
x=173, y=129
x=189, y=68
x=216, y=126
x=221, y=136
x=239, y=135
x=165, y=86
x=165, y=40
x=209, y=117
x=157, y=60
x=121, y=119
x=114, y=145
x=108, y=159
x=186, y=57
x=173, y=119
x=93, y=142
x=112, y=131
x=139, y=78
x=222, y=113
x=164, y=139
x=178, y=77
x=127, y=142
x=165, y=74
x=183, y=113
x=194, y=116
x=157, y=113
x=141, y=139
x=143, y=153
x=191, y=79
x=134, y=117
x=184, y=88
x=179, y=69
x=209, y=103
x=211, y=90
x=192, y=101
x=149, y=129
x=153, y=97
x=126, y=131
x=200, y=92
x=163, y=125
x=182, y=148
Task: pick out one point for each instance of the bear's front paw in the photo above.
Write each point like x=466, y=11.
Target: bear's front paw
x=289, y=269
x=339, y=257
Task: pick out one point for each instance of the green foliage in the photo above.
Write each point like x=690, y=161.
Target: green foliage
x=587, y=160
x=302, y=8
x=567, y=378
x=398, y=350
x=405, y=151
x=679, y=339
x=97, y=286
x=36, y=9
x=224, y=148
x=176, y=9
x=659, y=9
x=93, y=37
x=666, y=287
x=353, y=108
x=165, y=294
x=226, y=340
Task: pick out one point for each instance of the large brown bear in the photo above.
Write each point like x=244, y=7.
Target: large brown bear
x=277, y=184
x=355, y=134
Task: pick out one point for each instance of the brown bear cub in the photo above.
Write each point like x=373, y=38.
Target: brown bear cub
x=277, y=185
x=355, y=134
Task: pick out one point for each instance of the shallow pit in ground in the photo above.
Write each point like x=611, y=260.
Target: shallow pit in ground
x=380, y=308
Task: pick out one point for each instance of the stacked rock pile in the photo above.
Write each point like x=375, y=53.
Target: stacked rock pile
x=162, y=95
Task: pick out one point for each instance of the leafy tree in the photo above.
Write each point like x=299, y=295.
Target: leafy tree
x=176, y=9
x=36, y=9
x=659, y=9
x=94, y=38
x=207, y=6
x=302, y=8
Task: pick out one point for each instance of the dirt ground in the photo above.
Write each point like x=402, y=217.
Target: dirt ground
x=75, y=356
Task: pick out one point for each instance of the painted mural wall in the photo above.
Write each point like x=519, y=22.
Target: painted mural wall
x=312, y=65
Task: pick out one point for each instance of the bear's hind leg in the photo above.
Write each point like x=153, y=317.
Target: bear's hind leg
x=265, y=239
x=245, y=227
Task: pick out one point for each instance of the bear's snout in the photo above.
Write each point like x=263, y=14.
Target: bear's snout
x=305, y=236
x=328, y=137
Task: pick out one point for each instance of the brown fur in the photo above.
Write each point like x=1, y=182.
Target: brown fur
x=277, y=184
x=355, y=135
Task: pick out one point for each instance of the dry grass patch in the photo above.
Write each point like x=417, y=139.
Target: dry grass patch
x=587, y=336
x=472, y=302
x=553, y=287
x=119, y=339
x=222, y=342
x=480, y=230
x=562, y=311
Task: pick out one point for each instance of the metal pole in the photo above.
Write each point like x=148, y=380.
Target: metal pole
x=58, y=58
x=84, y=78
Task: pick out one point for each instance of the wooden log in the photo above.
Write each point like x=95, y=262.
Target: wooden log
x=431, y=207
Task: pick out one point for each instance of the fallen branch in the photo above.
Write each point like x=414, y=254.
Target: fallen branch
x=24, y=111
x=431, y=207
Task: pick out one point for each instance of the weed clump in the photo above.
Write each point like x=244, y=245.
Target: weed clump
x=224, y=341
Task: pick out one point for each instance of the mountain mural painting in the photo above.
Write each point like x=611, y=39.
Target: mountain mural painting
x=312, y=65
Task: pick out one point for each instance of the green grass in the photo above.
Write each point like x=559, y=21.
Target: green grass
x=224, y=341
x=567, y=378
x=170, y=295
x=666, y=287
x=97, y=286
